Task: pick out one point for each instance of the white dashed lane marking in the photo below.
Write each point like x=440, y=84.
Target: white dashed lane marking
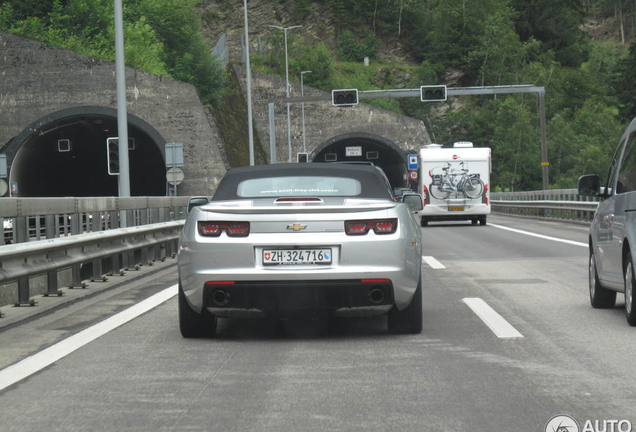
x=496, y=323
x=432, y=262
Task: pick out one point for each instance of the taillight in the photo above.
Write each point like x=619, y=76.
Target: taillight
x=296, y=199
x=424, y=195
x=484, y=197
x=361, y=227
x=231, y=229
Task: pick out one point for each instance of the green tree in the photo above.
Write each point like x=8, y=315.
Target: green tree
x=161, y=36
x=556, y=24
x=318, y=60
x=623, y=83
x=353, y=48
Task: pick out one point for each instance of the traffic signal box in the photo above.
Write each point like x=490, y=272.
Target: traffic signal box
x=433, y=93
x=112, y=151
x=345, y=97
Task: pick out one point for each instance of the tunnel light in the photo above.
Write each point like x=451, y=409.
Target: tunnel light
x=345, y=97
x=433, y=93
x=112, y=154
x=64, y=145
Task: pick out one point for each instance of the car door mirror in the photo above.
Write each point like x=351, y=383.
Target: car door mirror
x=590, y=185
x=414, y=201
x=197, y=201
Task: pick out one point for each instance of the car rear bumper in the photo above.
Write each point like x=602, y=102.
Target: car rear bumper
x=302, y=298
x=443, y=212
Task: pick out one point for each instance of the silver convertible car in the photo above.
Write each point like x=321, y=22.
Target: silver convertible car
x=323, y=239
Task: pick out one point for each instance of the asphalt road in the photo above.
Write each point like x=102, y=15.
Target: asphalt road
x=458, y=375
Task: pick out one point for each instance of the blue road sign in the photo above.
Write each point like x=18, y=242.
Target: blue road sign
x=413, y=162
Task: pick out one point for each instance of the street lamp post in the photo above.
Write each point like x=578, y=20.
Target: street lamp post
x=250, y=132
x=302, y=94
x=284, y=29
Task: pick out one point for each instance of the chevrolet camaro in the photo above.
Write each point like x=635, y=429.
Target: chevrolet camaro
x=317, y=239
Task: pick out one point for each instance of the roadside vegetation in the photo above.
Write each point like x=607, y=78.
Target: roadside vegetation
x=581, y=51
x=577, y=49
x=161, y=36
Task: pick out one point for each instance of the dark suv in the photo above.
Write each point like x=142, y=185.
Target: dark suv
x=613, y=230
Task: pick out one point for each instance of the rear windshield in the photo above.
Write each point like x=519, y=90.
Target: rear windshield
x=298, y=186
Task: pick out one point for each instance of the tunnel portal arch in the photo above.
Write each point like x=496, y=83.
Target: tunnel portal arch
x=360, y=146
x=64, y=154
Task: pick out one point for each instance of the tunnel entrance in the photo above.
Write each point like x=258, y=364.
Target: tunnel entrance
x=369, y=148
x=65, y=155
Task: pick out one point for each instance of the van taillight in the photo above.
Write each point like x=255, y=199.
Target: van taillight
x=361, y=227
x=484, y=197
x=231, y=229
x=424, y=195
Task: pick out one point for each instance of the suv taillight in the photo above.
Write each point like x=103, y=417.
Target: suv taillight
x=232, y=229
x=361, y=227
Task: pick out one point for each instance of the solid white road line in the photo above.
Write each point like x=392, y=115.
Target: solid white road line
x=575, y=243
x=44, y=358
x=499, y=326
x=432, y=262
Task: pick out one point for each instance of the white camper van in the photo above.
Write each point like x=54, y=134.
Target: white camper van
x=455, y=182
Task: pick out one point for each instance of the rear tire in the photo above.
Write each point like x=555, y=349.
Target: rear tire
x=482, y=221
x=630, y=281
x=424, y=222
x=193, y=324
x=408, y=320
x=473, y=221
x=600, y=298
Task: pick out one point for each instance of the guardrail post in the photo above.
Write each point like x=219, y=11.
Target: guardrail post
x=51, y=277
x=96, y=225
x=76, y=270
x=129, y=257
x=38, y=228
x=22, y=236
x=116, y=268
x=154, y=215
x=143, y=219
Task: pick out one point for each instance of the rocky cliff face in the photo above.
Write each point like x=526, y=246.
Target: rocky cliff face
x=317, y=18
x=226, y=16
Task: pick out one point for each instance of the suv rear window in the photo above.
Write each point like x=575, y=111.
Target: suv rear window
x=298, y=186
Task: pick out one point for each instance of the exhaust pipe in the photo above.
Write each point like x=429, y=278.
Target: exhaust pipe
x=376, y=295
x=220, y=297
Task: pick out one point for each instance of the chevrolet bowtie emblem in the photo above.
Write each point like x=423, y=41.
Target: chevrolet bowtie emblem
x=296, y=227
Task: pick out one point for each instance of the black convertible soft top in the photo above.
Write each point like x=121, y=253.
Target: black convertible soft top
x=374, y=182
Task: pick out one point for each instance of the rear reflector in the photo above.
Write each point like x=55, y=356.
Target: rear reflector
x=362, y=227
x=220, y=283
x=231, y=229
x=375, y=280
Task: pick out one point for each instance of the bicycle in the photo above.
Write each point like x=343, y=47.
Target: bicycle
x=470, y=185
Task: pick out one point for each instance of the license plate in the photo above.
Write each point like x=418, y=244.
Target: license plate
x=296, y=256
x=456, y=208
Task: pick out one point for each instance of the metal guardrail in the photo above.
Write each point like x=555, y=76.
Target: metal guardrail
x=83, y=231
x=87, y=230
x=564, y=204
